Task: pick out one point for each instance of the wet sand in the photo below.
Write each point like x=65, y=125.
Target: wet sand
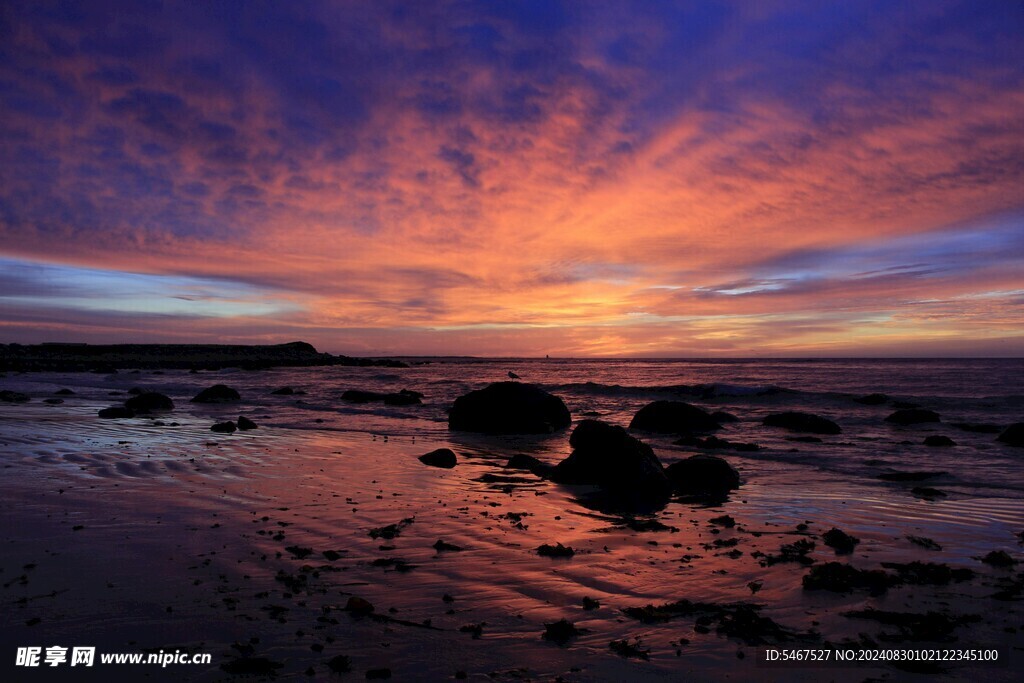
x=131, y=536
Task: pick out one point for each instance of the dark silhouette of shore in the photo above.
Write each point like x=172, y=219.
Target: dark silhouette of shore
x=108, y=357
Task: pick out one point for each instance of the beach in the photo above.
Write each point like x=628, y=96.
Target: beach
x=258, y=547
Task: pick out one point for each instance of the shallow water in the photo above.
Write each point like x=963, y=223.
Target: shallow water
x=178, y=517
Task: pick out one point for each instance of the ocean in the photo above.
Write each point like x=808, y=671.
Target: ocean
x=216, y=527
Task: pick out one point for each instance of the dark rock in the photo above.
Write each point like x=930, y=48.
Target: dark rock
x=53, y=401
x=722, y=417
x=928, y=573
x=904, y=405
x=509, y=408
x=135, y=391
x=590, y=604
x=520, y=461
x=872, y=399
x=913, y=627
x=557, y=550
x=843, y=578
x=359, y=396
x=148, y=402
x=448, y=547
x=909, y=476
x=624, y=648
x=927, y=492
x=607, y=456
x=299, y=551
x=561, y=631
x=116, y=412
x=913, y=416
x=357, y=605
x=246, y=423
x=380, y=674
x=286, y=391
x=223, y=427
x=840, y=541
x=64, y=392
x=999, y=558
x=673, y=417
x=340, y=664
x=402, y=398
x=938, y=441
x=391, y=531
x=796, y=551
x=13, y=397
x=727, y=521
x=1013, y=435
x=924, y=542
x=802, y=422
x=703, y=474
x=442, y=457
x=218, y=393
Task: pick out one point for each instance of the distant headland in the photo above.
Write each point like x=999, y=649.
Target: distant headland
x=108, y=357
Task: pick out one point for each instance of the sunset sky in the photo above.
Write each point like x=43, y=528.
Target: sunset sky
x=516, y=178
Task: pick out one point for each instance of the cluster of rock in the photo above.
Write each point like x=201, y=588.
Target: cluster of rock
x=621, y=466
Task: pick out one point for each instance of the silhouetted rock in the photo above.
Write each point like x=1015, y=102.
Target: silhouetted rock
x=557, y=550
x=149, y=401
x=283, y=391
x=802, y=422
x=13, y=397
x=842, y=542
x=519, y=461
x=403, y=398
x=1013, y=435
x=64, y=392
x=909, y=476
x=357, y=605
x=224, y=427
x=561, y=631
x=938, y=441
x=509, y=408
x=218, y=393
x=607, y=456
x=872, y=399
x=843, y=578
x=703, y=475
x=722, y=417
x=360, y=396
x=442, y=457
x=673, y=417
x=246, y=423
x=913, y=416
x=116, y=412
x=53, y=401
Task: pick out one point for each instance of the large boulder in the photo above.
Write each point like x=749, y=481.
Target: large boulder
x=509, y=408
x=13, y=397
x=607, y=456
x=442, y=457
x=673, y=417
x=148, y=402
x=218, y=393
x=1013, y=435
x=802, y=422
x=913, y=416
x=703, y=475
